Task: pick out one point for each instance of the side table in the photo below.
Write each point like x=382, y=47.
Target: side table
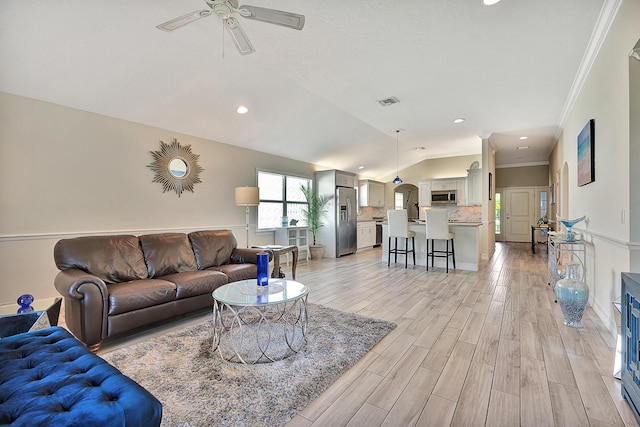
x=45, y=314
x=281, y=250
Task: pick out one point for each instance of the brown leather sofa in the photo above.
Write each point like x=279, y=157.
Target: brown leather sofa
x=115, y=284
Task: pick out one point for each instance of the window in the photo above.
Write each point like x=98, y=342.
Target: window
x=280, y=197
x=498, y=229
x=399, y=201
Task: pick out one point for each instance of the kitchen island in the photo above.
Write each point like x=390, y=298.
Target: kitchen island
x=466, y=241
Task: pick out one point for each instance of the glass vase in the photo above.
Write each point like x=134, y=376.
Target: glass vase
x=572, y=294
x=263, y=269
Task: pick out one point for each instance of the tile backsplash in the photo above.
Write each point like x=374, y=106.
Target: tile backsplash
x=459, y=213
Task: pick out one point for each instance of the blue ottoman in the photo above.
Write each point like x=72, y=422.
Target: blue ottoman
x=48, y=378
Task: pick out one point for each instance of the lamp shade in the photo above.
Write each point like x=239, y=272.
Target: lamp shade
x=247, y=196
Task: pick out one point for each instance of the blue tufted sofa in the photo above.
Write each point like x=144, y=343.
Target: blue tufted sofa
x=48, y=378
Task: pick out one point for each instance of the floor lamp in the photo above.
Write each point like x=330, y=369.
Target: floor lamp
x=247, y=196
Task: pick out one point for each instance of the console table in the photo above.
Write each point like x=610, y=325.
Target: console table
x=534, y=241
x=562, y=252
x=278, y=250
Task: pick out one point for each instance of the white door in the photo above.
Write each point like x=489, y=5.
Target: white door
x=519, y=213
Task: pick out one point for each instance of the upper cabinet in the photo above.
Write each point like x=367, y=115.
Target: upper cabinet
x=443, y=184
x=371, y=193
x=424, y=190
x=474, y=187
x=344, y=179
x=461, y=192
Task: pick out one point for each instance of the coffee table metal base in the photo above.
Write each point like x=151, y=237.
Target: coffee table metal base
x=259, y=333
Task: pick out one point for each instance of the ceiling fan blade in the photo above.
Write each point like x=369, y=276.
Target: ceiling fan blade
x=272, y=16
x=239, y=37
x=184, y=20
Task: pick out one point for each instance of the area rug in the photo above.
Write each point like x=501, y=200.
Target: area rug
x=197, y=388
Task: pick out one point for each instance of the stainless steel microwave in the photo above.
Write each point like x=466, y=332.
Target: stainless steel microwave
x=443, y=197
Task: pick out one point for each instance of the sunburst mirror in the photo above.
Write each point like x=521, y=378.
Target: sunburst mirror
x=176, y=167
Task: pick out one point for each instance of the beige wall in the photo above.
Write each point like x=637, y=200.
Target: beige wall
x=67, y=172
x=526, y=176
x=607, y=231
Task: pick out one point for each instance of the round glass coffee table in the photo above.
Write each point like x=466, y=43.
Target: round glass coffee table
x=259, y=324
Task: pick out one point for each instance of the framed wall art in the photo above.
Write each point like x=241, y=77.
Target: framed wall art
x=586, y=154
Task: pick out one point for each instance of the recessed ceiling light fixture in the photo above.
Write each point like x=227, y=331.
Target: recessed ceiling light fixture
x=242, y=109
x=458, y=120
x=360, y=167
x=419, y=148
x=490, y=2
x=523, y=147
x=522, y=138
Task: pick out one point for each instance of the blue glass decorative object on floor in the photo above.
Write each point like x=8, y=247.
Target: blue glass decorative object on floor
x=572, y=295
x=25, y=303
x=263, y=269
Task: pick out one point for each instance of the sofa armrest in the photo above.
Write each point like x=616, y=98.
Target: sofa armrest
x=248, y=256
x=86, y=301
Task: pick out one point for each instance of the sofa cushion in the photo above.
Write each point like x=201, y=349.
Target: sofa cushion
x=112, y=258
x=199, y=282
x=212, y=247
x=167, y=253
x=237, y=272
x=138, y=294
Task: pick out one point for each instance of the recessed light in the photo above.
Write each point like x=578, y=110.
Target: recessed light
x=490, y=2
x=360, y=167
x=523, y=147
x=459, y=120
x=242, y=109
x=419, y=148
x=522, y=138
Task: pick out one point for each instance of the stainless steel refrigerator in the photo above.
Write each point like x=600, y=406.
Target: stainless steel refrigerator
x=339, y=234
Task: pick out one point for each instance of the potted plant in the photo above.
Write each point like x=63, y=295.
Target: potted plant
x=316, y=206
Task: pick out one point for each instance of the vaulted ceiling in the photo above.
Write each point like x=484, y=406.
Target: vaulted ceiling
x=312, y=95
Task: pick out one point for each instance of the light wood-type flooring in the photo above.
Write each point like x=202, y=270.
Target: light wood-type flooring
x=470, y=349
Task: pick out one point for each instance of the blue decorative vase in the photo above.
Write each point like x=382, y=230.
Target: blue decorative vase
x=573, y=295
x=263, y=269
x=24, y=301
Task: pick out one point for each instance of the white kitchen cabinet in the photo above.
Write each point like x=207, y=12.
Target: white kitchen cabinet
x=366, y=234
x=345, y=180
x=474, y=187
x=461, y=192
x=424, y=190
x=297, y=236
x=371, y=193
x=443, y=184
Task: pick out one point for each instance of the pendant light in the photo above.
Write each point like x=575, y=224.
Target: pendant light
x=397, y=179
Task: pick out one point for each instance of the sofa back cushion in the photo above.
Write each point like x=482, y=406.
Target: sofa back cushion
x=167, y=253
x=212, y=247
x=112, y=258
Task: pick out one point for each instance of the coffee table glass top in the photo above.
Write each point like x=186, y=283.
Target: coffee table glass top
x=247, y=292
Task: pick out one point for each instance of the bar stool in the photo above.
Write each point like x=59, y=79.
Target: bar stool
x=438, y=229
x=399, y=228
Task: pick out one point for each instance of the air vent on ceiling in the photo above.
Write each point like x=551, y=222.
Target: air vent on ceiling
x=388, y=101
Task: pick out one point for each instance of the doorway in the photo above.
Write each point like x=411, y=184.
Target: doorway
x=519, y=210
x=406, y=197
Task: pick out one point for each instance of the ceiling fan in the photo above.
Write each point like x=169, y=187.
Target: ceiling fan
x=226, y=8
